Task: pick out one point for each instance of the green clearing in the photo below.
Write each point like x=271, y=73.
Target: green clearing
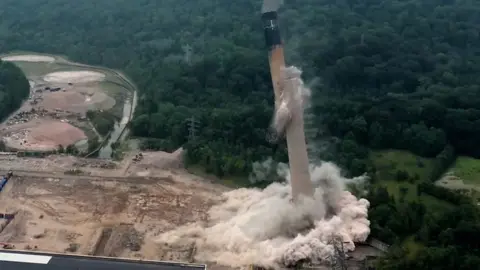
x=412, y=246
x=467, y=169
x=389, y=162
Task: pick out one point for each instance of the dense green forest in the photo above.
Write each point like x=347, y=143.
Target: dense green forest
x=14, y=88
x=400, y=74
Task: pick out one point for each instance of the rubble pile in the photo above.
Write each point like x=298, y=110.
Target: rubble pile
x=132, y=239
x=33, y=114
x=26, y=116
x=20, y=136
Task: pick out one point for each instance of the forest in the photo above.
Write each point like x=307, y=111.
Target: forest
x=14, y=88
x=400, y=74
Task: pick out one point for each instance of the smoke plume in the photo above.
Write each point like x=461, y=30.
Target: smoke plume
x=271, y=5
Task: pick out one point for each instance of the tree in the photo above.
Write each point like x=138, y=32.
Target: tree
x=72, y=150
x=93, y=144
x=14, y=88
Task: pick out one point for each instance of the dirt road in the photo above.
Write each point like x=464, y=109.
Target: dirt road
x=62, y=175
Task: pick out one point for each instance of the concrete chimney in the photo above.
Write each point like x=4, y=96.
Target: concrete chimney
x=286, y=88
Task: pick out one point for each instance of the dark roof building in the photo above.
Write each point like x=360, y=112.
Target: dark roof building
x=24, y=260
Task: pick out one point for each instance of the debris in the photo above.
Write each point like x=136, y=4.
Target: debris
x=73, y=172
x=95, y=164
x=38, y=236
x=73, y=247
x=7, y=246
x=138, y=157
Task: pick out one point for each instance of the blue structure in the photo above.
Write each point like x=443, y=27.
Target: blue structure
x=7, y=216
x=3, y=182
x=5, y=179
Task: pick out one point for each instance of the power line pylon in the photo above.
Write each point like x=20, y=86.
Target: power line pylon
x=338, y=260
x=193, y=125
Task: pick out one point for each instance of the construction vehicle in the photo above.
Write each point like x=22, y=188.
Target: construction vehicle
x=138, y=157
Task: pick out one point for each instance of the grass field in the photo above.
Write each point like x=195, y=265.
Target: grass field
x=388, y=162
x=412, y=246
x=467, y=169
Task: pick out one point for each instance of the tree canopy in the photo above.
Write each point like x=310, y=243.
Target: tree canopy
x=396, y=74
x=400, y=74
x=14, y=88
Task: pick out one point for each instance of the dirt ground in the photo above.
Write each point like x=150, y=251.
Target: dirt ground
x=154, y=164
x=79, y=100
x=54, y=214
x=151, y=162
x=100, y=216
x=29, y=58
x=42, y=135
x=449, y=180
x=81, y=76
x=45, y=119
x=111, y=208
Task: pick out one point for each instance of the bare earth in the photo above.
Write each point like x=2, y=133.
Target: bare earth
x=96, y=215
x=78, y=100
x=29, y=58
x=450, y=181
x=44, y=135
x=74, y=76
x=57, y=105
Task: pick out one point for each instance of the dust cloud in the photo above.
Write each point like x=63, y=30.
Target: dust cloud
x=264, y=228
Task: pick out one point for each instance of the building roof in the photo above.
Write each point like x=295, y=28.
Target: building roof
x=24, y=260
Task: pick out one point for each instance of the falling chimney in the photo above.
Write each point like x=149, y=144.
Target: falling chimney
x=294, y=132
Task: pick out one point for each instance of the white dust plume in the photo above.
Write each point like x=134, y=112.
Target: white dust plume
x=263, y=227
